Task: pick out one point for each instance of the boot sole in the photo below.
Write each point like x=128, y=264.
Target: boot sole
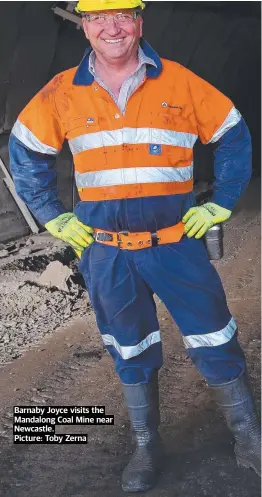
x=143, y=488
x=134, y=490
x=241, y=461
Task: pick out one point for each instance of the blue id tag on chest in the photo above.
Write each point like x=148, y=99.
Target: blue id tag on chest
x=155, y=149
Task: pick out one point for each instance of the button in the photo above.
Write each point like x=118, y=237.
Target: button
x=117, y=116
x=95, y=88
x=164, y=104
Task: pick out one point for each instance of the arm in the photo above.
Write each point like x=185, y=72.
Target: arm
x=34, y=176
x=232, y=165
x=219, y=122
x=36, y=139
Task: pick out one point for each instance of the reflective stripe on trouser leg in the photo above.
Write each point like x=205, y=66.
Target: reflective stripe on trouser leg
x=125, y=312
x=216, y=352
x=220, y=363
x=188, y=284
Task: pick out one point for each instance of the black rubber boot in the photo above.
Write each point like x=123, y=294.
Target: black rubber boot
x=238, y=406
x=143, y=407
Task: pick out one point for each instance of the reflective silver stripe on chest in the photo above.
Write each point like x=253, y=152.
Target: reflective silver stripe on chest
x=133, y=175
x=131, y=136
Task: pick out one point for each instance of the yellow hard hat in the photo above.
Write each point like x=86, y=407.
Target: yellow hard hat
x=95, y=5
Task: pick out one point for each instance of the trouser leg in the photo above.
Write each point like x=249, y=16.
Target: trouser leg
x=188, y=284
x=185, y=280
x=125, y=312
x=126, y=317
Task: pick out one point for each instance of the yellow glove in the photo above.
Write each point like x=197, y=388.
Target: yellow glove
x=198, y=220
x=71, y=231
x=79, y=253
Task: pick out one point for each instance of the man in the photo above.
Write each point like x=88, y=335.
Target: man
x=131, y=120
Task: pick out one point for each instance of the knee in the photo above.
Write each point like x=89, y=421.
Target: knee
x=219, y=364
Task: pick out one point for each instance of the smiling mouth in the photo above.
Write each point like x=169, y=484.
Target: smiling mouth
x=113, y=42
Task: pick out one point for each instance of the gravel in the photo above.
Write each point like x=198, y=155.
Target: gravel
x=29, y=312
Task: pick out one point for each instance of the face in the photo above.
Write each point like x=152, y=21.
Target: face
x=126, y=37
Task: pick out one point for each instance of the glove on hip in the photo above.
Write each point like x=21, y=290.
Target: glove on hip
x=198, y=220
x=66, y=227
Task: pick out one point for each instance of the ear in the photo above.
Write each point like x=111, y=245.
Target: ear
x=85, y=26
x=141, y=20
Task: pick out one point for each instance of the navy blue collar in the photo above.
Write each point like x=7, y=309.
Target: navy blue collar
x=84, y=78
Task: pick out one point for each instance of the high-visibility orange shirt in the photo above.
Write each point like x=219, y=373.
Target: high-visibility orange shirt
x=146, y=152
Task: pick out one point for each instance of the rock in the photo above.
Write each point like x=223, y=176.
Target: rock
x=30, y=242
x=11, y=247
x=21, y=244
x=56, y=275
x=4, y=253
x=37, y=249
x=25, y=251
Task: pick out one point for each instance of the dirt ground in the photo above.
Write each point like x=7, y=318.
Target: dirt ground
x=70, y=367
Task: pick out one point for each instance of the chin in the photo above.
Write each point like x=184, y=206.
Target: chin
x=115, y=54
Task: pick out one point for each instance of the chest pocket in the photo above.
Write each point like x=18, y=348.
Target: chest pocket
x=84, y=135
x=171, y=116
x=80, y=125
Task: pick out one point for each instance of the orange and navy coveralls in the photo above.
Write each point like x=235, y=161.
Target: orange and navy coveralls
x=134, y=172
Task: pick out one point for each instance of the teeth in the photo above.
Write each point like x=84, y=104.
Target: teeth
x=114, y=41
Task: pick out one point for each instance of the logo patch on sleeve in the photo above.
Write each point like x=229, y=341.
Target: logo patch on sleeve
x=155, y=149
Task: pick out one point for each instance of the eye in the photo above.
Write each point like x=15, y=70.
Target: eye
x=97, y=18
x=123, y=17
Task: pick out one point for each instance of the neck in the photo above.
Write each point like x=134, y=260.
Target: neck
x=124, y=66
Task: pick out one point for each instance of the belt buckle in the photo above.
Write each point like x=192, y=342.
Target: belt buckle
x=104, y=237
x=125, y=233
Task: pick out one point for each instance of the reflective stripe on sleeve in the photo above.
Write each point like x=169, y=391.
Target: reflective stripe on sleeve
x=231, y=120
x=126, y=351
x=30, y=140
x=131, y=136
x=133, y=176
x=211, y=339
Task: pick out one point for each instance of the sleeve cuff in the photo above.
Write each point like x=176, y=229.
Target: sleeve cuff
x=224, y=200
x=49, y=212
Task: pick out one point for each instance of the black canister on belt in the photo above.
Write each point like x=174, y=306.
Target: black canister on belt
x=213, y=240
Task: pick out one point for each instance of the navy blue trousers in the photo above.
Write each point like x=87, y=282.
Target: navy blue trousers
x=121, y=285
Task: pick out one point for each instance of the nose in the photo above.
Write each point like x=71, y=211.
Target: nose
x=112, y=28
